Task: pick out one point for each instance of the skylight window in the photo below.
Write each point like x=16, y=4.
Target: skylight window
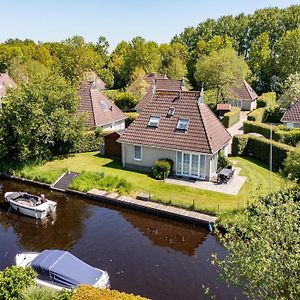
x=171, y=112
x=103, y=105
x=154, y=121
x=183, y=124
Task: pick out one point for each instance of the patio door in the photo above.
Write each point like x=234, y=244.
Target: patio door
x=191, y=165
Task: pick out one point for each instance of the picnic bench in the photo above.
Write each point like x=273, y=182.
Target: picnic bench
x=225, y=175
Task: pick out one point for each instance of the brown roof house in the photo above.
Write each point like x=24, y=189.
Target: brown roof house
x=102, y=112
x=158, y=82
x=242, y=96
x=5, y=83
x=291, y=117
x=178, y=126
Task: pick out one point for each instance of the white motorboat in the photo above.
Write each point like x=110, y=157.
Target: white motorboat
x=30, y=205
x=59, y=269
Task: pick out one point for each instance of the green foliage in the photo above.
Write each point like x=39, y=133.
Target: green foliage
x=130, y=117
x=291, y=91
x=262, y=244
x=259, y=148
x=14, y=280
x=273, y=114
x=126, y=101
x=266, y=100
x=162, y=168
x=39, y=121
x=221, y=69
x=223, y=161
x=89, y=180
x=257, y=115
x=239, y=144
x=292, y=164
x=42, y=293
x=90, y=141
x=280, y=134
x=231, y=117
x=85, y=292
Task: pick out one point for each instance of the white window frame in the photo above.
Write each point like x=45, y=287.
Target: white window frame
x=154, y=121
x=135, y=158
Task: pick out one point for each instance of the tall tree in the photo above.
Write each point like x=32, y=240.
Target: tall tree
x=263, y=247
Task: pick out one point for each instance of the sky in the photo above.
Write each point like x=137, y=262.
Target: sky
x=56, y=20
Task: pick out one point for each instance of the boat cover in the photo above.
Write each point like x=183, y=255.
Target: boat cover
x=64, y=269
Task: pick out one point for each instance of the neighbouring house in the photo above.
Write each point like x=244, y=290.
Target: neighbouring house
x=112, y=148
x=158, y=82
x=5, y=83
x=178, y=126
x=242, y=96
x=223, y=108
x=102, y=112
x=291, y=117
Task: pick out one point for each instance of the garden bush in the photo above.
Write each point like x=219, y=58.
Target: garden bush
x=13, y=280
x=130, y=117
x=257, y=115
x=239, y=145
x=85, y=292
x=266, y=100
x=292, y=164
x=281, y=134
x=273, y=114
x=223, y=161
x=90, y=141
x=126, y=101
x=232, y=117
x=162, y=168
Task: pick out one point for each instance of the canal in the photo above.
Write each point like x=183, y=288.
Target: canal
x=143, y=254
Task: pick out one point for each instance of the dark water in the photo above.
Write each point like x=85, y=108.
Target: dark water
x=143, y=254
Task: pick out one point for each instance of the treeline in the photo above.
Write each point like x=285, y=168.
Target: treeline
x=268, y=40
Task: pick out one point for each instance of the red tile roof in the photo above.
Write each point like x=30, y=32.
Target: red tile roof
x=205, y=133
x=242, y=92
x=292, y=114
x=224, y=106
x=100, y=109
x=98, y=82
x=5, y=83
x=159, y=84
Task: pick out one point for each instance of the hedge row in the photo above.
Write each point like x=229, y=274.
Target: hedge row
x=90, y=141
x=259, y=148
x=257, y=115
x=281, y=134
x=231, y=117
x=266, y=100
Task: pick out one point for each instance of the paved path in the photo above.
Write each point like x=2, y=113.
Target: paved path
x=231, y=188
x=154, y=207
x=64, y=181
x=238, y=127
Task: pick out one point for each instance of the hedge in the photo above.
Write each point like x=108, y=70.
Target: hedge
x=259, y=148
x=232, y=117
x=266, y=100
x=257, y=115
x=90, y=141
x=85, y=292
x=288, y=136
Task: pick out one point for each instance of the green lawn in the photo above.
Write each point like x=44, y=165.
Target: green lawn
x=257, y=182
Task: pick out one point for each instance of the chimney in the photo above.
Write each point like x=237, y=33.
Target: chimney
x=201, y=97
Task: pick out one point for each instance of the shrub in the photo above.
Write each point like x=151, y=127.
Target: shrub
x=292, y=164
x=239, y=144
x=126, y=101
x=273, y=114
x=14, y=280
x=162, y=168
x=130, y=117
x=85, y=292
x=266, y=100
x=231, y=117
x=223, y=161
x=257, y=115
x=281, y=134
x=38, y=293
x=90, y=142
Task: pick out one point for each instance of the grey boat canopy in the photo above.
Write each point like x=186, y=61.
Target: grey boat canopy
x=64, y=269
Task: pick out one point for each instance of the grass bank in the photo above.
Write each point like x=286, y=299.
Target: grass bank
x=257, y=182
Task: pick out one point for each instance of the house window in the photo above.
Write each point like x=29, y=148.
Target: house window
x=179, y=162
x=171, y=112
x=154, y=121
x=104, y=105
x=183, y=124
x=137, y=153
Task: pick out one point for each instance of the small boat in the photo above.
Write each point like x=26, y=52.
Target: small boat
x=30, y=205
x=59, y=269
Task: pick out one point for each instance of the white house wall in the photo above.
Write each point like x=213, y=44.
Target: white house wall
x=114, y=126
